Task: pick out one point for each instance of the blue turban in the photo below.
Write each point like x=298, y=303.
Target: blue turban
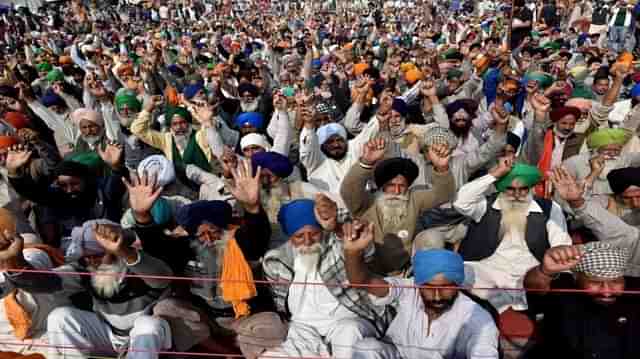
x=254, y=119
x=635, y=91
x=191, y=90
x=400, y=106
x=278, y=164
x=431, y=262
x=191, y=216
x=467, y=105
x=316, y=63
x=51, y=99
x=297, y=214
x=176, y=70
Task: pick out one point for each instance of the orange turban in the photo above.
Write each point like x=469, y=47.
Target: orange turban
x=7, y=141
x=359, y=69
x=16, y=119
x=412, y=76
x=65, y=60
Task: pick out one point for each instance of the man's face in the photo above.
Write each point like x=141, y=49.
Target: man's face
x=461, y=123
x=396, y=186
x=601, y=86
x=58, y=109
x=603, y=291
x=564, y=127
x=306, y=237
x=610, y=152
x=396, y=123
x=71, y=185
x=251, y=150
x=208, y=234
x=438, y=300
x=89, y=129
x=179, y=126
x=267, y=178
x=631, y=197
x=517, y=192
x=335, y=147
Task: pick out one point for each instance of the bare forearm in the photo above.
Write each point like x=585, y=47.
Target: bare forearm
x=358, y=274
x=537, y=280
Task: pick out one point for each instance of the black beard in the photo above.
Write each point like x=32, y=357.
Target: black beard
x=331, y=155
x=461, y=131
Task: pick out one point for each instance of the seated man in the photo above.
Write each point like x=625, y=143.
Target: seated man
x=394, y=208
x=325, y=321
x=601, y=323
x=120, y=303
x=431, y=322
x=508, y=233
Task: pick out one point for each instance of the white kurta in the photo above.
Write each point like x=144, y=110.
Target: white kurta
x=507, y=266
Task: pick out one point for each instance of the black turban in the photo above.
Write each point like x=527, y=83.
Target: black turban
x=513, y=140
x=623, y=178
x=388, y=169
x=72, y=169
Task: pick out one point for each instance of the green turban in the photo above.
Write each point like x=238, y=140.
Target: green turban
x=452, y=54
x=90, y=159
x=553, y=45
x=454, y=74
x=180, y=111
x=544, y=79
x=55, y=76
x=127, y=97
x=44, y=67
x=582, y=91
x=608, y=136
x=526, y=174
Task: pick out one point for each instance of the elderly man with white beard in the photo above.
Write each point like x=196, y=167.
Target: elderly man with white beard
x=592, y=168
x=91, y=126
x=326, y=319
x=121, y=304
x=394, y=208
x=509, y=232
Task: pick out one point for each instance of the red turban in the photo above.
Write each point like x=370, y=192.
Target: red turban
x=16, y=119
x=559, y=113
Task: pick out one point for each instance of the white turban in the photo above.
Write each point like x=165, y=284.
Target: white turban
x=329, y=130
x=254, y=139
x=159, y=167
x=86, y=114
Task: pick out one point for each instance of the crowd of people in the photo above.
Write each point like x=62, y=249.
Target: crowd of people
x=401, y=179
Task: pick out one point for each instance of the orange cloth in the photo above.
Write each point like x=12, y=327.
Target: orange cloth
x=544, y=165
x=65, y=60
x=412, y=76
x=171, y=94
x=12, y=355
x=16, y=119
x=359, y=69
x=18, y=317
x=7, y=141
x=237, y=279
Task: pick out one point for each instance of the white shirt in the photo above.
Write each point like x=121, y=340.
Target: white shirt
x=507, y=266
x=558, y=149
x=466, y=330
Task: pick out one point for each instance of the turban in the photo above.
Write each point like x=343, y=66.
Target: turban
x=513, y=140
x=248, y=87
x=191, y=90
x=86, y=114
x=579, y=73
x=454, y=74
x=543, y=79
x=7, y=221
x=159, y=167
x=44, y=67
x=325, y=132
x=608, y=136
x=581, y=91
x=72, y=168
x=390, y=168
x=180, y=111
x=526, y=174
x=255, y=119
x=51, y=99
x=412, y=76
x=297, y=214
x=359, y=69
x=622, y=178
x=192, y=215
x=90, y=159
x=65, y=60
x=431, y=262
x=127, y=97
x=440, y=135
x=254, y=139
x=400, y=106
x=55, y=76
x=602, y=260
x=7, y=141
x=601, y=74
x=407, y=66
x=278, y=164
x=468, y=106
x=452, y=54
x=161, y=211
x=16, y=119
x=84, y=239
x=176, y=70
x=635, y=91
x=561, y=112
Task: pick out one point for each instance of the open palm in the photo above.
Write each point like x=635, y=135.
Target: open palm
x=112, y=154
x=566, y=186
x=17, y=157
x=143, y=191
x=246, y=188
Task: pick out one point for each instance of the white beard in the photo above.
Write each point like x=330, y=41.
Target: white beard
x=91, y=140
x=307, y=258
x=106, y=281
x=182, y=141
x=514, y=215
x=394, y=211
x=250, y=106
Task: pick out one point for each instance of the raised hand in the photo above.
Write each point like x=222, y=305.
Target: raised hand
x=560, y=258
x=504, y=166
x=540, y=103
x=112, y=154
x=357, y=236
x=202, y=112
x=326, y=211
x=373, y=151
x=428, y=89
x=246, y=188
x=597, y=165
x=143, y=191
x=110, y=237
x=565, y=185
x=17, y=157
x=439, y=155
x=229, y=161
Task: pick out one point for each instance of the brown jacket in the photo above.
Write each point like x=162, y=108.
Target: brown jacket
x=393, y=250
